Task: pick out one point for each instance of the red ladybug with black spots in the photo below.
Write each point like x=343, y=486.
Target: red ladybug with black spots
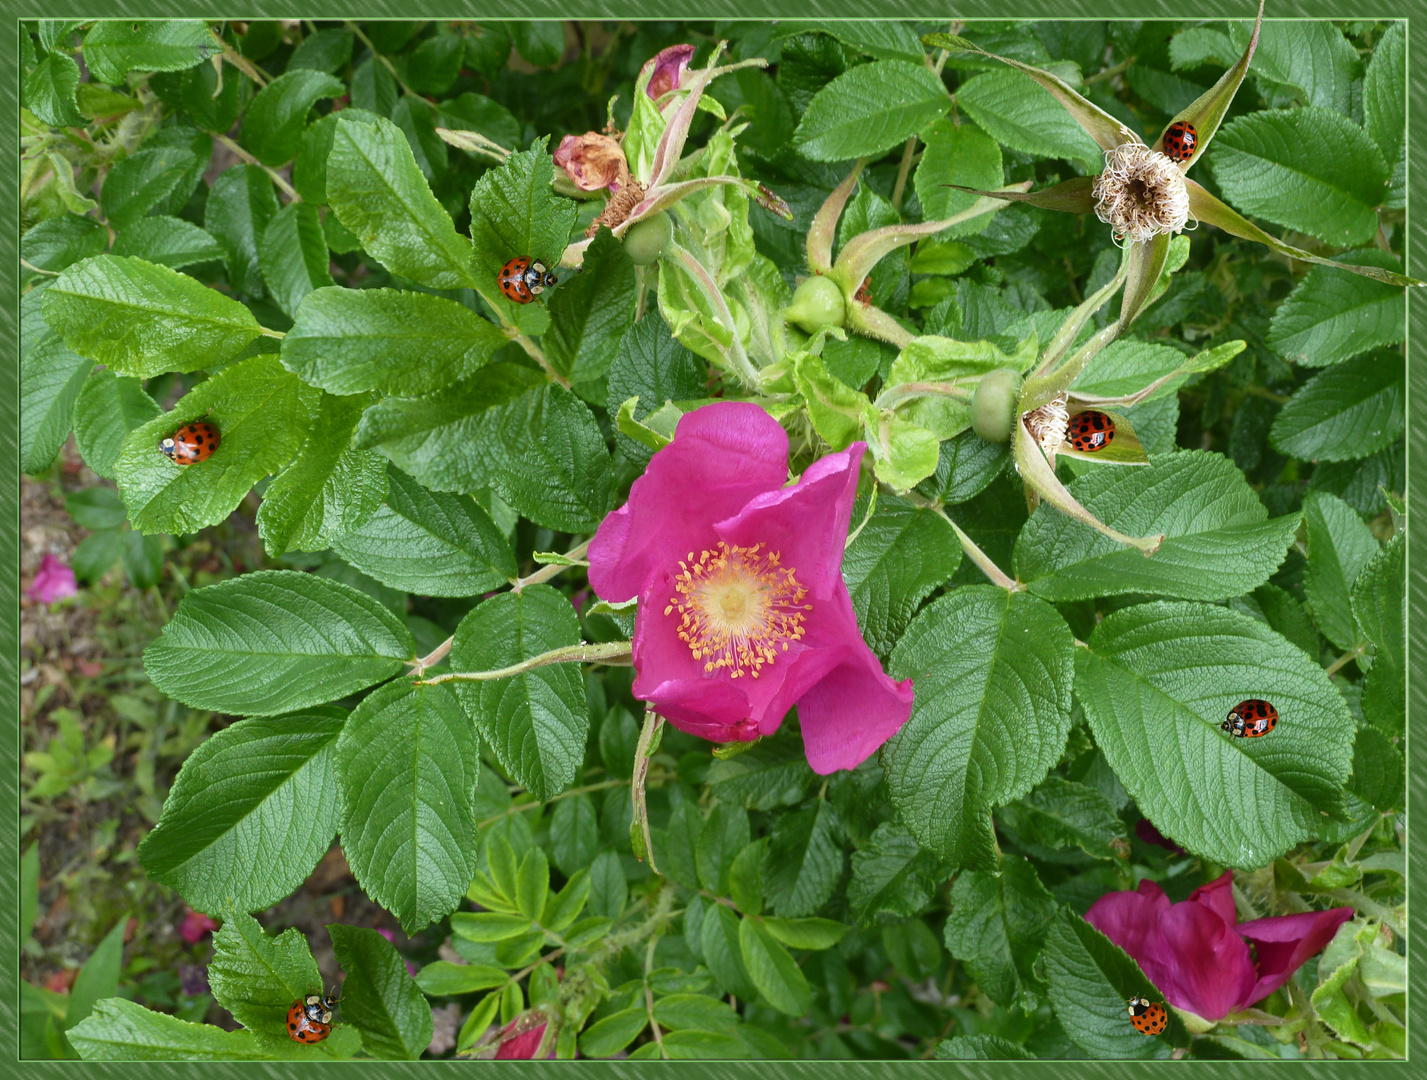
x=310, y=1019
x=1090, y=431
x=1148, y=1018
x=1251, y=719
x=190, y=443
x=1180, y=141
x=523, y=279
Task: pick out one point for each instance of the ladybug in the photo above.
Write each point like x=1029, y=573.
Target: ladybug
x=1250, y=719
x=1090, y=431
x=310, y=1019
x=523, y=279
x=1180, y=141
x=1149, y=1019
x=190, y=443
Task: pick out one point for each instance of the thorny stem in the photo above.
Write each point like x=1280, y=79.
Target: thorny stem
x=389, y=65
x=239, y=61
x=900, y=188
x=545, y=573
x=983, y=561
x=434, y=657
x=613, y=653
x=538, y=355
x=277, y=178
x=536, y=805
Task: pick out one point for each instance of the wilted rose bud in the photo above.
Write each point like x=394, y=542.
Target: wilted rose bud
x=592, y=161
x=669, y=67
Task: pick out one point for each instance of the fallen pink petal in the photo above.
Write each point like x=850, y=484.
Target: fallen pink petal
x=743, y=612
x=54, y=581
x=592, y=161
x=195, y=926
x=669, y=67
x=1197, y=953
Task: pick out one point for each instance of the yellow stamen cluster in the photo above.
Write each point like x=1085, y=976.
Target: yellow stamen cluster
x=738, y=607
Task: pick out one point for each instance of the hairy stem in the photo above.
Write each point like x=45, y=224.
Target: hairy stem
x=899, y=189
x=277, y=177
x=545, y=573
x=613, y=653
x=983, y=561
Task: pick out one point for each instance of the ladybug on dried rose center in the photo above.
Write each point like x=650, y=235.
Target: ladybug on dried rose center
x=1250, y=719
x=1148, y=1018
x=1090, y=431
x=523, y=279
x=310, y=1019
x=190, y=443
x=1180, y=141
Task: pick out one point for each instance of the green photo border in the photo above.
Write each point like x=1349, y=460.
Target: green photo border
x=10, y=749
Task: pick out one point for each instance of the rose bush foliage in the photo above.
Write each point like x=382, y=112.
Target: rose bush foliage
x=1011, y=652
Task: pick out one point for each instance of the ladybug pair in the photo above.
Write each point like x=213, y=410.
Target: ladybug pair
x=1250, y=719
x=1149, y=1018
x=523, y=279
x=310, y=1019
x=190, y=443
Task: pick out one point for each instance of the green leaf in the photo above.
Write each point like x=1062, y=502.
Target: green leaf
x=417, y=119
x=143, y=559
x=274, y=641
x=1090, y=979
x=554, y=467
x=574, y=834
x=51, y=380
x=613, y=1033
x=273, y=126
x=450, y=441
x=309, y=168
x=1385, y=108
x=257, y=977
x=771, y=773
x=139, y=319
x=434, y=64
x=99, y=977
x=745, y=878
x=1128, y=366
x=650, y=365
x=779, y=980
x=1338, y=963
x=95, y=508
x=535, y=722
x=899, y=558
x=514, y=212
x=142, y=181
x=608, y=890
x=1352, y=410
x=489, y=926
x=1309, y=56
x=886, y=40
x=330, y=489
x=1379, y=771
x=966, y=465
x=695, y=1012
x=261, y=412
x=378, y=192
x=1219, y=541
x=59, y=242
x=1309, y=169
x=252, y=811
x=955, y=154
x=428, y=543
x=838, y=413
x=120, y=1030
x=993, y=672
x=869, y=109
x=240, y=206
x=981, y=1047
x=1022, y=115
x=350, y=340
x=719, y=940
x=892, y=876
x=379, y=998
x=1378, y=601
x=49, y=91
x=1156, y=683
x=97, y=553
x=412, y=844
x=806, y=933
x=804, y=862
x=590, y=315
x=725, y=833
x=167, y=241
x=445, y=979
x=1339, y=545
x=542, y=42
x=326, y=50
x=1331, y=317
x=1061, y=814
x=997, y=926
x=114, y=47
x=293, y=257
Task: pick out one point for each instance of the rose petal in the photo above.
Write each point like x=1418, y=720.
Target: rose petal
x=1285, y=942
x=1218, y=896
x=54, y=581
x=669, y=67
x=1130, y=917
x=806, y=523
x=1199, y=962
x=521, y=1047
x=856, y=707
x=722, y=456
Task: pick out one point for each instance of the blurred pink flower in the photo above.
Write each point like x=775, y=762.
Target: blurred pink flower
x=1195, y=952
x=195, y=925
x=669, y=67
x=518, y=1045
x=592, y=161
x=54, y=581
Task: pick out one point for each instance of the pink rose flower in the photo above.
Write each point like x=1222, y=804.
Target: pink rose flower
x=54, y=581
x=195, y=926
x=592, y=161
x=669, y=67
x=743, y=612
x=1195, y=952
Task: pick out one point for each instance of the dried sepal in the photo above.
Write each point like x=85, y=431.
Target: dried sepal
x=1073, y=196
x=1145, y=262
x=824, y=227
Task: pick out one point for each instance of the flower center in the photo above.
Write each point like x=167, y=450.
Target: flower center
x=1048, y=425
x=1140, y=194
x=738, y=607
